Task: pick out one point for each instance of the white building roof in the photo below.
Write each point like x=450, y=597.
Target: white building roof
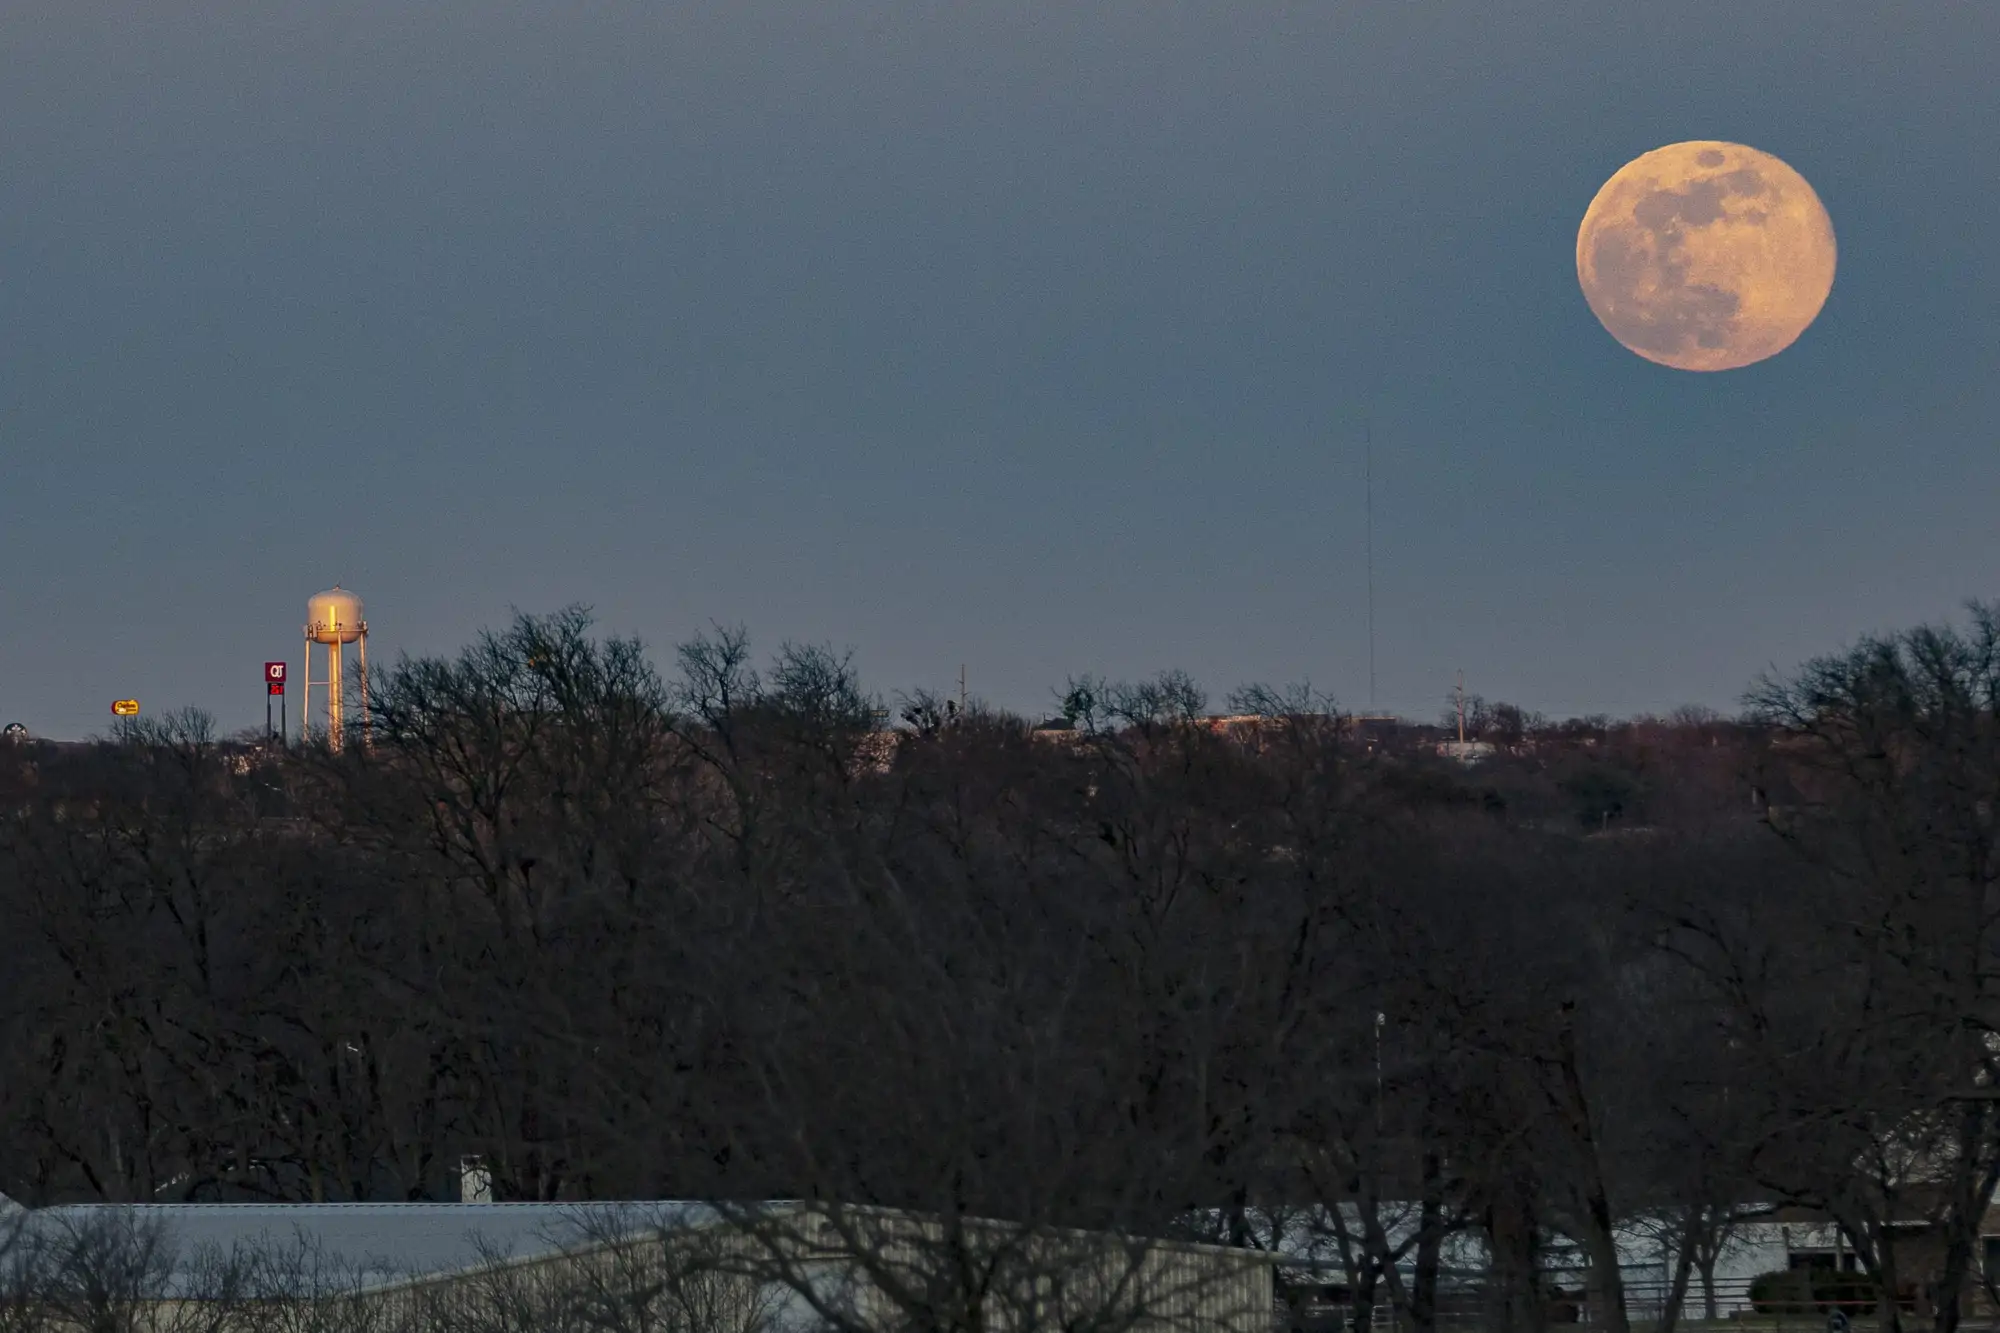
x=373, y=1242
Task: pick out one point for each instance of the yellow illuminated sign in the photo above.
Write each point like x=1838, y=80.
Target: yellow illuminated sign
x=125, y=707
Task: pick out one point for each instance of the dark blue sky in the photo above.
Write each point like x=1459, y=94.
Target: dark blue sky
x=1038, y=337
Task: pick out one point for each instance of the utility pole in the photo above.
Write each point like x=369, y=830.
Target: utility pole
x=1461, y=707
x=961, y=689
x=1381, y=1020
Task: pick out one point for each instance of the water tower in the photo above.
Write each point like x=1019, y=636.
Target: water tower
x=334, y=618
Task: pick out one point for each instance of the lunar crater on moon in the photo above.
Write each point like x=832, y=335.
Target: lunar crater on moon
x=1706, y=255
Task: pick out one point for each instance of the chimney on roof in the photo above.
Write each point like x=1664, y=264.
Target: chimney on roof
x=475, y=1182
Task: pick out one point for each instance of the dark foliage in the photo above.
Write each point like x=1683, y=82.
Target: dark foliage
x=725, y=935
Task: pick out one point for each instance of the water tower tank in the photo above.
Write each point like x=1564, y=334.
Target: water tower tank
x=333, y=616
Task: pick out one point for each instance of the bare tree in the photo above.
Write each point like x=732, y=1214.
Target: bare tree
x=1893, y=749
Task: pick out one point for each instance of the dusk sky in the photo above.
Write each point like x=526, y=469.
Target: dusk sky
x=1035, y=337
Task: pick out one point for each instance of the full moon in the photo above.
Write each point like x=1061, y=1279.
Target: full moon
x=1705, y=255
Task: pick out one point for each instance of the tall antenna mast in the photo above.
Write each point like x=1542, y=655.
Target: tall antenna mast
x=1368, y=506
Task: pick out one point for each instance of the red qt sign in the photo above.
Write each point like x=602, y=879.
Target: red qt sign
x=274, y=677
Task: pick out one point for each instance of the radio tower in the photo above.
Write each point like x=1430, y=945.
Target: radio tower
x=1368, y=509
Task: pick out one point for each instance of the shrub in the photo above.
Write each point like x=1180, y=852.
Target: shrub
x=1811, y=1291
x=1785, y=1291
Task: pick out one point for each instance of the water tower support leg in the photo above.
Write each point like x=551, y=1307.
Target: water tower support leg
x=334, y=735
x=367, y=732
